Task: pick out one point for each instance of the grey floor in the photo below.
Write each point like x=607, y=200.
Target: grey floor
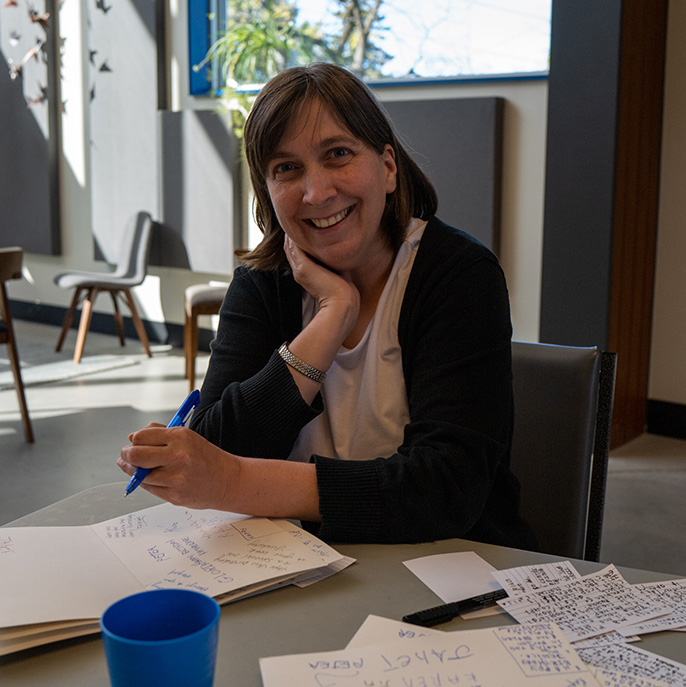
x=80, y=424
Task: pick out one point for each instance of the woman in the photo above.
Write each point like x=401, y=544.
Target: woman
x=386, y=416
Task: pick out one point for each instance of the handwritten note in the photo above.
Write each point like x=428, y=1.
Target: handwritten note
x=377, y=630
x=671, y=593
x=332, y=561
x=611, y=678
x=586, y=607
x=612, y=637
x=531, y=578
x=210, y=551
x=635, y=661
x=516, y=655
x=74, y=573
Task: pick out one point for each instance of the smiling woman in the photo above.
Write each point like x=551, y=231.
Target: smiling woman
x=320, y=97
x=328, y=190
x=361, y=375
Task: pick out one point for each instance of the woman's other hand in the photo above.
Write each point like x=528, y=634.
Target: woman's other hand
x=187, y=470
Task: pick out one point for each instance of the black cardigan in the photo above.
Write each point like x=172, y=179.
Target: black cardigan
x=450, y=477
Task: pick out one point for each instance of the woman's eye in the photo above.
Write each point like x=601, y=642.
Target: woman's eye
x=283, y=168
x=340, y=152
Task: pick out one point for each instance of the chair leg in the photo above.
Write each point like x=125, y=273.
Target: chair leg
x=138, y=324
x=118, y=320
x=187, y=346
x=86, y=314
x=14, y=364
x=192, y=347
x=19, y=385
x=68, y=318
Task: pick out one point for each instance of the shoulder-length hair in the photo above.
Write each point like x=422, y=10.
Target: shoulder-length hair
x=350, y=101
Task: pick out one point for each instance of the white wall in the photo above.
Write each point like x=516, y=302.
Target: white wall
x=668, y=347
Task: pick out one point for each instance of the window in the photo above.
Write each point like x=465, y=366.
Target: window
x=380, y=40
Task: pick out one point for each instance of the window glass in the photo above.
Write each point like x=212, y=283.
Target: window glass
x=378, y=39
x=441, y=38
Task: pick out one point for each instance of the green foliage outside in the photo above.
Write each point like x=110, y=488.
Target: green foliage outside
x=264, y=37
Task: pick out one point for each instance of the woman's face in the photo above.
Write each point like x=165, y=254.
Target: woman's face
x=328, y=189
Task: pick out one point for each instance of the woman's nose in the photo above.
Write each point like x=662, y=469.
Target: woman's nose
x=318, y=187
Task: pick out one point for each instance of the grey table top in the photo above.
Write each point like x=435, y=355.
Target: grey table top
x=291, y=620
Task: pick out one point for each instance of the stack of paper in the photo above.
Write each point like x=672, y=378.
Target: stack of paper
x=575, y=631
x=392, y=654
x=601, y=615
x=57, y=581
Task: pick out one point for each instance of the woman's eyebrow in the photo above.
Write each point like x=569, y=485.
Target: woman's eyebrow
x=324, y=143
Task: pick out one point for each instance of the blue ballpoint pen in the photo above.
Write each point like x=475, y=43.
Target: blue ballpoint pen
x=179, y=420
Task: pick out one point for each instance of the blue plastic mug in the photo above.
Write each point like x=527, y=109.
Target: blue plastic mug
x=161, y=638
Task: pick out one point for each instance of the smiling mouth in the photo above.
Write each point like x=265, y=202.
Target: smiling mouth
x=330, y=221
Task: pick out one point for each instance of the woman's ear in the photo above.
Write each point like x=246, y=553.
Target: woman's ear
x=391, y=168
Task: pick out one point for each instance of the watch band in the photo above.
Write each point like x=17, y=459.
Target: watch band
x=300, y=365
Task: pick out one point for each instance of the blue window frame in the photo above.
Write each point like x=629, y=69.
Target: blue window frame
x=206, y=19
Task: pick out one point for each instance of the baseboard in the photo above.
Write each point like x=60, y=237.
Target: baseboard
x=666, y=419
x=158, y=332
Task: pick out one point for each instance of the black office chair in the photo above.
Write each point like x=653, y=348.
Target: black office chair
x=131, y=270
x=10, y=268
x=563, y=399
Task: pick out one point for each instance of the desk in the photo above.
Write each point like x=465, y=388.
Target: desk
x=321, y=617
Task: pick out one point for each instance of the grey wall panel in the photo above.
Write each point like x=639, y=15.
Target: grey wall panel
x=27, y=190
x=200, y=192
x=122, y=74
x=458, y=144
x=179, y=166
x=580, y=172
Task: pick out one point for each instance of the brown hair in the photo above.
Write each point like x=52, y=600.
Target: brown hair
x=352, y=102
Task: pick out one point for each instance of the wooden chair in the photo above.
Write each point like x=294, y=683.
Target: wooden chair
x=130, y=271
x=199, y=299
x=562, y=415
x=10, y=268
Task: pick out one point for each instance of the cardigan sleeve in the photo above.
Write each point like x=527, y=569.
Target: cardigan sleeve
x=249, y=402
x=450, y=476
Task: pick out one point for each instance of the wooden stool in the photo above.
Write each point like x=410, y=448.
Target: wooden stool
x=199, y=299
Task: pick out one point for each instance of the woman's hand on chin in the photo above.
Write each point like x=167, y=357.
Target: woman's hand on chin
x=329, y=289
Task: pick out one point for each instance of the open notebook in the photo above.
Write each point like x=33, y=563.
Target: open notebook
x=57, y=581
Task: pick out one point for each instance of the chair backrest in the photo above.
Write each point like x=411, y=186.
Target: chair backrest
x=10, y=263
x=563, y=410
x=135, y=249
x=10, y=268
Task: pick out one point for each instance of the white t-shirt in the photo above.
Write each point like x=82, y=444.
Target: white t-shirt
x=365, y=400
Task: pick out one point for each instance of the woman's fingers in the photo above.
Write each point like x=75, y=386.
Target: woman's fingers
x=189, y=469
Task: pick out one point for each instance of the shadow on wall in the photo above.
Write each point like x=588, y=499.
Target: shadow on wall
x=25, y=205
